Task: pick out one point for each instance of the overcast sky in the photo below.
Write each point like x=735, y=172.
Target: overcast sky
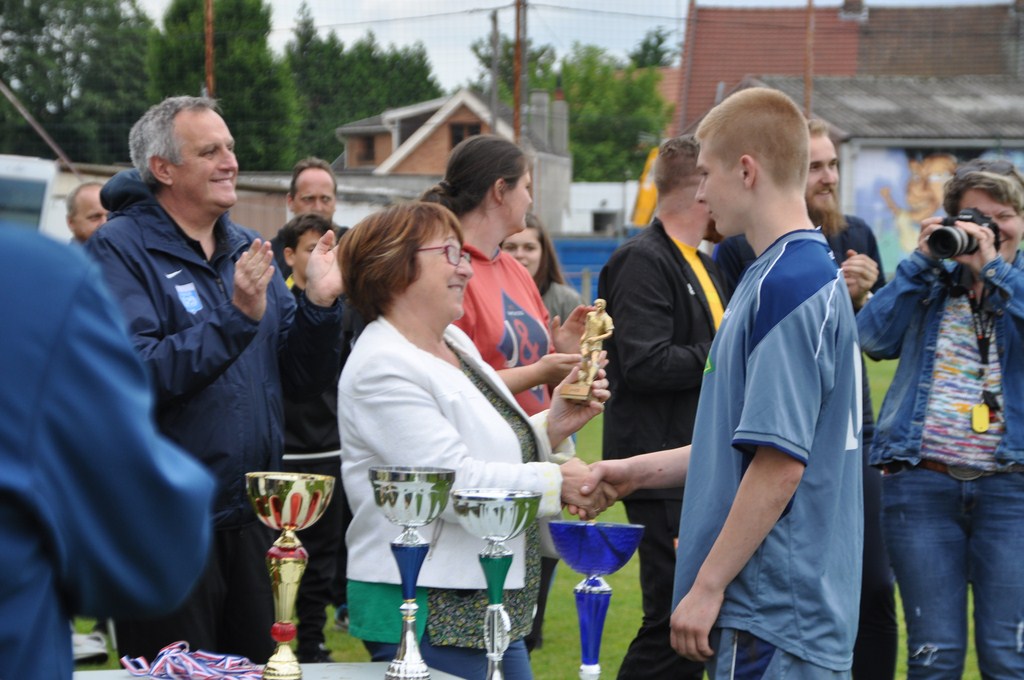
x=448, y=27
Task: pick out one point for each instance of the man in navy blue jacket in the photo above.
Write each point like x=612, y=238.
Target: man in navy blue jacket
x=101, y=515
x=224, y=340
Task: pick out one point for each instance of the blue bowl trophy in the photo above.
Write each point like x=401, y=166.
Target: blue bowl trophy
x=495, y=515
x=411, y=497
x=594, y=549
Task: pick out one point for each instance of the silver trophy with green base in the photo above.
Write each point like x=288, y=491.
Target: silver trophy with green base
x=496, y=515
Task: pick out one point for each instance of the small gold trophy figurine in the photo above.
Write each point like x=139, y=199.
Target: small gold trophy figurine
x=598, y=328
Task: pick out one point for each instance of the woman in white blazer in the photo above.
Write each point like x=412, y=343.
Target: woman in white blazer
x=415, y=391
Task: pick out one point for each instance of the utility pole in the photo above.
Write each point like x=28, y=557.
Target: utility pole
x=495, y=46
x=686, y=61
x=524, y=71
x=211, y=90
x=809, y=61
x=517, y=70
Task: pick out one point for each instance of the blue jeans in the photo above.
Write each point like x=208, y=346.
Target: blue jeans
x=463, y=662
x=941, y=534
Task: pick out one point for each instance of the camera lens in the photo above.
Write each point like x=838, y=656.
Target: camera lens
x=946, y=242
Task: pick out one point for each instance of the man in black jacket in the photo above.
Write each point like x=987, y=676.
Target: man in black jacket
x=667, y=302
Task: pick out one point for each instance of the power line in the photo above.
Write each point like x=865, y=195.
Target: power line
x=606, y=12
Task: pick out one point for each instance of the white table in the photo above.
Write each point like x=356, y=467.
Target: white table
x=310, y=671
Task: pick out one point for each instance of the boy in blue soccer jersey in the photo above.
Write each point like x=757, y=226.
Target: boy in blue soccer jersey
x=768, y=570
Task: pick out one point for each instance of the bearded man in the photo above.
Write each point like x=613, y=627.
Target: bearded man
x=852, y=241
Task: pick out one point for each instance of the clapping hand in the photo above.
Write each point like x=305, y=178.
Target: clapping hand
x=323, y=276
x=253, y=272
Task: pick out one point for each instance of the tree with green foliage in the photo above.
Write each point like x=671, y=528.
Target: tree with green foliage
x=337, y=86
x=313, y=63
x=253, y=86
x=615, y=114
x=615, y=110
x=541, y=66
x=654, y=49
x=76, y=67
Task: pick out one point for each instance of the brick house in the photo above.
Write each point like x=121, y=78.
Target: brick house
x=411, y=144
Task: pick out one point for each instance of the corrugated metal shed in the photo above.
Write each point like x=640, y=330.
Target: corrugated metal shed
x=912, y=107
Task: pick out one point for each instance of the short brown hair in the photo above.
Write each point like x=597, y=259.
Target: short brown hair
x=676, y=165
x=999, y=179
x=306, y=164
x=816, y=127
x=763, y=123
x=291, y=232
x=378, y=256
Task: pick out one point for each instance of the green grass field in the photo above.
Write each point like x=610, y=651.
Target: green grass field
x=559, y=657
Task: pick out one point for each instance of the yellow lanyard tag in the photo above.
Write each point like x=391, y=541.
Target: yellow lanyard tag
x=980, y=418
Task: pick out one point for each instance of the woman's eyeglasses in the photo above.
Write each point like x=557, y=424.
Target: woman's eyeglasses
x=454, y=254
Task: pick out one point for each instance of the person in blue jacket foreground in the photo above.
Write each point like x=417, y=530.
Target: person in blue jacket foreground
x=224, y=340
x=950, y=434
x=100, y=515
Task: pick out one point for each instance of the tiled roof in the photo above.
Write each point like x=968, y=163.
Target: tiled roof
x=730, y=43
x=364, y=126
x=909, y=107
x=670, y=87
x=940, y=41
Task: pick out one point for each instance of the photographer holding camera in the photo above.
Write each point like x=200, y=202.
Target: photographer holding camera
x=950, y=435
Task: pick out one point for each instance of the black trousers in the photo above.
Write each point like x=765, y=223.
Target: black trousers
x=650, y=655
x=325, y=544
x=230, y=610
x=874, y=652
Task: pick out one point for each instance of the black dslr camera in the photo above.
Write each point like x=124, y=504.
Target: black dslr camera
x=949, y=240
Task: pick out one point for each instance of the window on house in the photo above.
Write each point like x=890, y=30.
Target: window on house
x=605, y=221
x=461, y=131
x=365, y=152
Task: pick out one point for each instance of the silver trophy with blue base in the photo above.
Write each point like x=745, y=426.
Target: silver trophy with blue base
x=410, y=497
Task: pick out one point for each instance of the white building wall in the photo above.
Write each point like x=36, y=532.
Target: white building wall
x=587, y=198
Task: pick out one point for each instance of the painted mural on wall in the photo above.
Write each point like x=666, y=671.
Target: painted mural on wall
x=894, y=189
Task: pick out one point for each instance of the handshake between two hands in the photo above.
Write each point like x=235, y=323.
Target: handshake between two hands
x=589, y=490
